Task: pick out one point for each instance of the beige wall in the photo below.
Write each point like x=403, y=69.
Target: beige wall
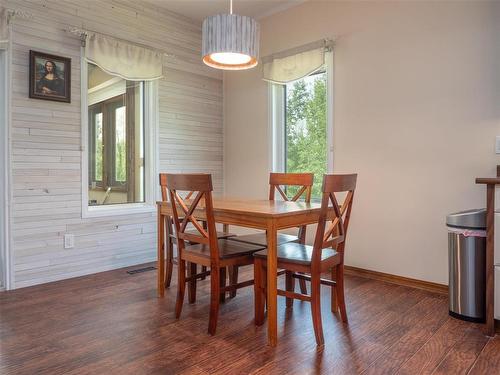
x=417, y=109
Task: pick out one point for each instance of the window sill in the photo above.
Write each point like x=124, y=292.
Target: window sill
x=117, y=210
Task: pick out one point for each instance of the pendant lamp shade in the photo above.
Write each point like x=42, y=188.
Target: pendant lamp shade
x=230, y=41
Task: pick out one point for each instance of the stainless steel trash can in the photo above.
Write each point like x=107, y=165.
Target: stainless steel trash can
x=466, y=261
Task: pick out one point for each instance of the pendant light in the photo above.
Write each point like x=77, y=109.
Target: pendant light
x=230, y=41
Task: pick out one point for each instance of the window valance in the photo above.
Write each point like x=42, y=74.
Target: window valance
x=288, y=66
x=4, y=27
x=122, y=59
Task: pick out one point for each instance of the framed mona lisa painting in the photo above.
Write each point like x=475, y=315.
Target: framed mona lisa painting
x=50, y=77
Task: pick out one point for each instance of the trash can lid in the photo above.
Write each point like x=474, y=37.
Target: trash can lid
x=473, y=219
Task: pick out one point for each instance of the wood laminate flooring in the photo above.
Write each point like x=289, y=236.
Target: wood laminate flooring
x=113, y=323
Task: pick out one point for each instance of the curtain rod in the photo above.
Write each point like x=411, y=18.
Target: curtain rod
x=84, y=33
x=326, y=43
x=14, y=13
x=81, y=33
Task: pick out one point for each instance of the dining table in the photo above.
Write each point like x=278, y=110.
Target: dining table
x=267, y=215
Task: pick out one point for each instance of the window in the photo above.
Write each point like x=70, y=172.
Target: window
x=119, y=126
x=116, y=134
x=300, y=127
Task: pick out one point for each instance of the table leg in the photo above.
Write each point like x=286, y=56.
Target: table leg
x=161, y=255
x=272, y=280
x=490, y=266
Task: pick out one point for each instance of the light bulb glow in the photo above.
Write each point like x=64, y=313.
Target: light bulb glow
x=230, y=58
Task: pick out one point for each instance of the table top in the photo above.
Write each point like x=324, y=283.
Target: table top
x=488, y=180
x=261, y=208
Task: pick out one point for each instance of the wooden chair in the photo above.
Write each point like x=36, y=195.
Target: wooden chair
x=170, y=238
x=203, y=247
x=308, y=262
x=304, y=181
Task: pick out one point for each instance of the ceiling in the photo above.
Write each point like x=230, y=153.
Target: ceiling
x=199, y=9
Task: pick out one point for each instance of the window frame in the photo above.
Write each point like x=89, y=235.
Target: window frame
x=92, y=147
x=277, y=120
x=108, y=111
x=6, y=255
x=151, y=131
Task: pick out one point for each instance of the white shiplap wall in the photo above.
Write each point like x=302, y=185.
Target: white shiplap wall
x=46, y=158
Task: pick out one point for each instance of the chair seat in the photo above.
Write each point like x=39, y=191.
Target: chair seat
x=260, y=239
x=219, y=234
x=227, y=249
x=297, y=253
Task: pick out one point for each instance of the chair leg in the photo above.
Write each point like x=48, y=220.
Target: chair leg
x=169, y=250
x=222, y=283
x=303, y=287
x=214, y=299
x=259, y=290
x=233, y=279
x=334, y=303
x=302, y=240
x=340, y=293
x=160, y=264
x=170, y=261
x=181, y=287
x=316, y=308
x=192, y=269
x=204, y=268
x=290, y=287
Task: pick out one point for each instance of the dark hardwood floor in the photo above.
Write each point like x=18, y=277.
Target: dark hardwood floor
x=113, y=323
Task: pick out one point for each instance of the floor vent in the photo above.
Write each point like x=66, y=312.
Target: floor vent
x=139, y=270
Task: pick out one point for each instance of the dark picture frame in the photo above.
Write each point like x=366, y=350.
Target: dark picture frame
x=50, y=77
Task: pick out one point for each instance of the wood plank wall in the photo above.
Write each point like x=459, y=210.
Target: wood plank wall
x=45, y=151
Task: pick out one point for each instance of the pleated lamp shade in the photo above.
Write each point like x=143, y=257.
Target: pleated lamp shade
x=230, y=42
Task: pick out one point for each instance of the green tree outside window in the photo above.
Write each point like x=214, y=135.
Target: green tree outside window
x=306, y=143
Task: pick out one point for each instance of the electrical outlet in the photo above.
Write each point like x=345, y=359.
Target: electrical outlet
x=69, y=241
x=497, y=144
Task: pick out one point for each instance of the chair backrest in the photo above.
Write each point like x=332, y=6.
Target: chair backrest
x=303, y=180
x=199, y=186
x=164, y=189
x=331, y=233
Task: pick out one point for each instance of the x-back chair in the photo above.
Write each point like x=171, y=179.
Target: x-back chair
x=201, y=246
x=309, y=262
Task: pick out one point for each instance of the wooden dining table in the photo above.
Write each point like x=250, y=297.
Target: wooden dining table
x=267, y=215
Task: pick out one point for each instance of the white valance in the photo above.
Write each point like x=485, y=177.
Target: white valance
x=122, y=59
x=4, y=27
x=294, y=64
